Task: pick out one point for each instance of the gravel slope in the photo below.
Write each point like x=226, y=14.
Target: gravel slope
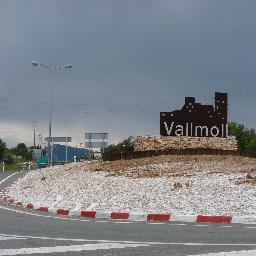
x=174, y=184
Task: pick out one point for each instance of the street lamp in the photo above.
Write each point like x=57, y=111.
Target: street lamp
x=67, y=66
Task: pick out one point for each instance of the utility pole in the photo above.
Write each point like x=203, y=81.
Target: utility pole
x=34, y=128
x=40, y=139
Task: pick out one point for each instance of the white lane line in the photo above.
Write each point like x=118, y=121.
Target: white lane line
x=155, y=223
x=129, y=242
x=69, y=239
x=70, y=248
x=124, y=242
x=5, y=238
x=121, y=222
x=44, y=216
x=65, y=218
x=200, y=225
x=91, y=220
x=226, y=226
x=8, y=177
x=180, y=224
x=62, y=218
x=233, y=253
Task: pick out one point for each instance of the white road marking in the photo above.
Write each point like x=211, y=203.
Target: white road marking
x=100, y=221
x=122, y=222
x=180, y=224
x=40, y=215
x=70, y=248
x=128, y=242
x=8, y=177
x=156, y=223
x=5, y=238
x=226, y=226
x=58, y=217
x=233, y=253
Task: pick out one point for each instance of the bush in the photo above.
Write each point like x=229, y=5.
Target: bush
x=22, y=150
x=124, y=146
x=9, y=158
x=246, y=138
x=3, y=149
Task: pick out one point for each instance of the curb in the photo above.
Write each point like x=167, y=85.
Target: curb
x=132, y=216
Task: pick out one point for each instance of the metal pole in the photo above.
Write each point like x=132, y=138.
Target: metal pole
x=50, y=126
x=90, y=147
x=34, y=127
x=52, y=151
x=34, y=138
x=66, y=150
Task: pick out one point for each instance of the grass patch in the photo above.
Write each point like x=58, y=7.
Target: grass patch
x=16, y=166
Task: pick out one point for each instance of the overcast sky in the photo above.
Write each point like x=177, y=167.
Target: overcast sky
x=131, y=59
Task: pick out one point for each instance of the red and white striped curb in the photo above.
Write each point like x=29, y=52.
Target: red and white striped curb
x=132, y=216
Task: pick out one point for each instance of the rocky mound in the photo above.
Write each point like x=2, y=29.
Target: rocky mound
x=175, y=184
x=143, y=143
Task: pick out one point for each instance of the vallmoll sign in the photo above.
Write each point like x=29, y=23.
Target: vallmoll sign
x=197, y=120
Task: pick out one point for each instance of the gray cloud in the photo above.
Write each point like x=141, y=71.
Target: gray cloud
x=126, y=55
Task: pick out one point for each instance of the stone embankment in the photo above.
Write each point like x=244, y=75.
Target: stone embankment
x=143, y=143
x=179, y=185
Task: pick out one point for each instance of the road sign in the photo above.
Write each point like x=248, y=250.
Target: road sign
x=96, y=136
x=58, y=139
x=90, y=144
x=36, y=153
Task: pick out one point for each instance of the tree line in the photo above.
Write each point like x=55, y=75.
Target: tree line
x=8, y=155
x=246, y=138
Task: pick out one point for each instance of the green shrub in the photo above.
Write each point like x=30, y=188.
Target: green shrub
x=124, y=146
x=246, y=138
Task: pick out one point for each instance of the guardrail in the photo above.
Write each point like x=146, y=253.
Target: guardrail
x=114, y=155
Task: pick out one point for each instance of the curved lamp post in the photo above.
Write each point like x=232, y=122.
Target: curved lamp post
x=68, y=66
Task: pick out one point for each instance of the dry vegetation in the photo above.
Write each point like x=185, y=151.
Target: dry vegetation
x=175, y=166
x=246, y=181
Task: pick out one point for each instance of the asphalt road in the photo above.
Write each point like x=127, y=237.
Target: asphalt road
x=27, y=232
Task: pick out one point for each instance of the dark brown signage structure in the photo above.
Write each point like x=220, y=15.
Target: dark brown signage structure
x=197, y=120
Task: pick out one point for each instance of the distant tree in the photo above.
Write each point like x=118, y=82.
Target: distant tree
x=126, y=145
x=21, y=146
x=22, y=150
x=251, y=146
x=9, y=157
x=3, y=149
x=246, y=138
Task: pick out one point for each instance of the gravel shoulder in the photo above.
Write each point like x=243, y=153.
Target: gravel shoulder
x=215, y=185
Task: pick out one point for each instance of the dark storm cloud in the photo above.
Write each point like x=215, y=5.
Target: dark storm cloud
x=126, y=55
